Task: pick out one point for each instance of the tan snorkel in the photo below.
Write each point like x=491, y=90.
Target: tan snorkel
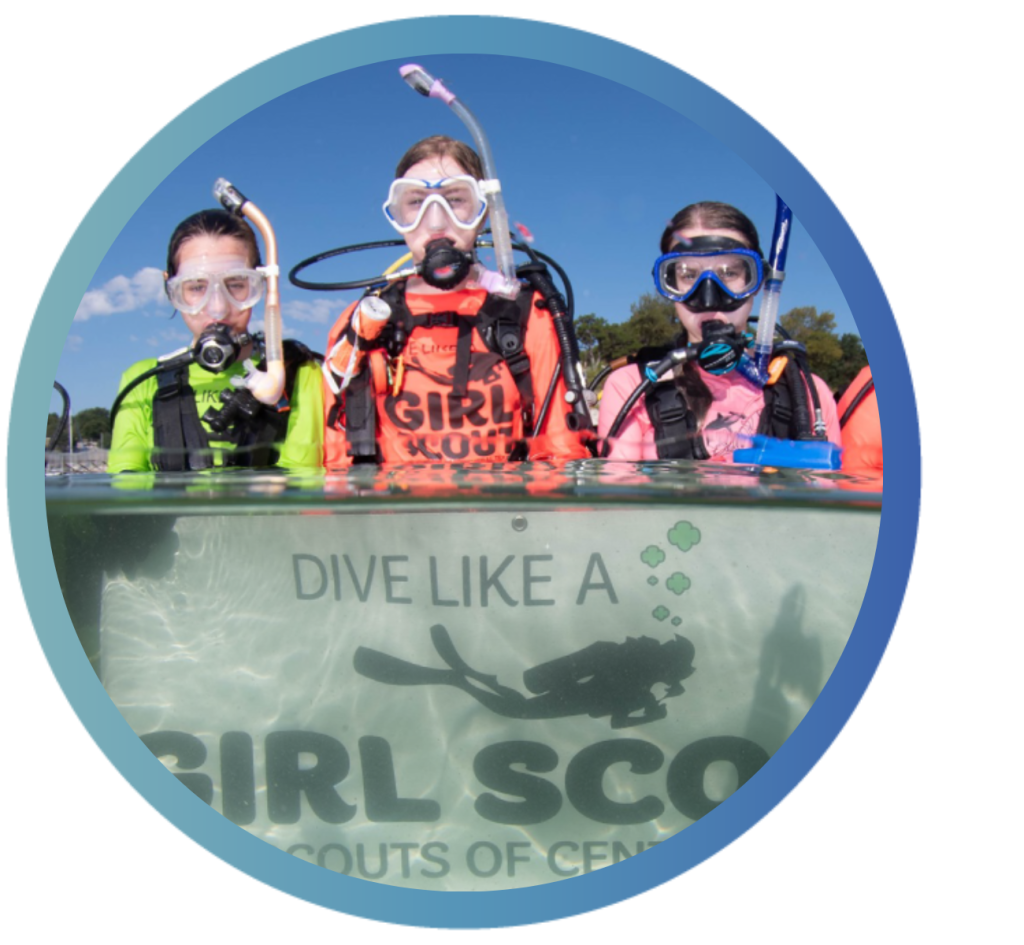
x=266, y=386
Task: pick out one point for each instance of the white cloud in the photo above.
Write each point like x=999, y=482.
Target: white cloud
x=123, y=294
x=73, y=343
x=321, y=311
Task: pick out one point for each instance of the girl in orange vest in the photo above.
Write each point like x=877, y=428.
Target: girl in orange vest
x=442, y=380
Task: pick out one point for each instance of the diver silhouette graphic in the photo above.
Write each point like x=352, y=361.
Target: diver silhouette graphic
x=603, y=679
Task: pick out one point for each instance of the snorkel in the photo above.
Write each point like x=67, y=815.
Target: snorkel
x=266, y=386
x=756, y=371
x=506, y=283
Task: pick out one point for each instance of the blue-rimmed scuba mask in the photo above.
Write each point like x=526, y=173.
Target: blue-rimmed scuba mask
x=709, y=273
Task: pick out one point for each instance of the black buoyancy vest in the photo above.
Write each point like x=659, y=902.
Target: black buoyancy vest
x=183, y=443
x=787, y=414
x=501, y=324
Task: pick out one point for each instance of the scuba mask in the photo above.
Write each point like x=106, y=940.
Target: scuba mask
x=709, y=274
x=216, y=292
x=410, y=199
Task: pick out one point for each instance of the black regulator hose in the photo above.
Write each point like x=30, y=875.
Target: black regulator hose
x=807, y=412
x=855, y=403
x=651, y=376
x=65, y=413
x=293, y=275
x=179, y=360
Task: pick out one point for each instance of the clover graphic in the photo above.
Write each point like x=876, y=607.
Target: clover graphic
x=684, y=536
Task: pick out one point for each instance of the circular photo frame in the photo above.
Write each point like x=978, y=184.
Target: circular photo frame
x=661, y=82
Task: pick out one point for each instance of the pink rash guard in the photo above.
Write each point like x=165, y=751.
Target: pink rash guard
x=732, y=417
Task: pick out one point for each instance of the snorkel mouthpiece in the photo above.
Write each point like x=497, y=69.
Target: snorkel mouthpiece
x=229, y=196
x=416, y=78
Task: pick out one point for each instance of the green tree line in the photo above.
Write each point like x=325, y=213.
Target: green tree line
x=91, y=425
x=652, y=321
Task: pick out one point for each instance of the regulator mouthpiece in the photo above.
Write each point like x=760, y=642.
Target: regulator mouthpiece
x=444, y=266
x=216, y=349
x=229, y=196
x=721, y=348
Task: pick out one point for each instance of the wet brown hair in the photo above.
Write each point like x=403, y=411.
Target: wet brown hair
x=708, y=215
x=216, y=222
x=441, y=146
x=711, y=215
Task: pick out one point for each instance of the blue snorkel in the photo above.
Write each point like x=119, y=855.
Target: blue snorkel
x=755, y=370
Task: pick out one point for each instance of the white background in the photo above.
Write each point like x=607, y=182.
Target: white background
x=907, y=830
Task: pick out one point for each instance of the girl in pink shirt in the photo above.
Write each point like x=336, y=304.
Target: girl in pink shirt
x=717, y=276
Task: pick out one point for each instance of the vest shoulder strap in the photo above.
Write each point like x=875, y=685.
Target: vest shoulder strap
x=676, y=431
x=180, y=440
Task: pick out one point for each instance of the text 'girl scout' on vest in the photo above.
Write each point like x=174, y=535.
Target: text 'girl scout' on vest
x=454, y=377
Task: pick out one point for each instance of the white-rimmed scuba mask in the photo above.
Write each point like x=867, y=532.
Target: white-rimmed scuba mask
x=409, y=200
x=216, y=286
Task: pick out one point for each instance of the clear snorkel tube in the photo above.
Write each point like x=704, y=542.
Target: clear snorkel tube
x=757, y=371
x=423, y=82
x=267, y=387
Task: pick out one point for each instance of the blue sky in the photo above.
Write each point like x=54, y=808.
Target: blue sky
x=594, y=169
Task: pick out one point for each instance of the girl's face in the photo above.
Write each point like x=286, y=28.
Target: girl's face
x=436, y=224
x=213, y=255
x=693, y=321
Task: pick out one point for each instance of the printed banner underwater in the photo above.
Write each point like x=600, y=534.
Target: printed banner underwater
x=479, y=699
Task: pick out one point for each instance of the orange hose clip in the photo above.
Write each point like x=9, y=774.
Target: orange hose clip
x=775, y=369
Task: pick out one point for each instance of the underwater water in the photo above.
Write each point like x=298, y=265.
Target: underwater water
x=465, y=677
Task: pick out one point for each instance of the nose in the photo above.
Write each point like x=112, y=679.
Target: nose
x=217, y=304
x=436, y=219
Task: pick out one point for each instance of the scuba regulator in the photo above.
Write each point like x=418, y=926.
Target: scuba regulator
x=444, y=266
x=215, y=350
x=718, y=352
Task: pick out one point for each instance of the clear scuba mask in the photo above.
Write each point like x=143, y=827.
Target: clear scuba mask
x=216, y=292
x=409, y=200
x=709, y=274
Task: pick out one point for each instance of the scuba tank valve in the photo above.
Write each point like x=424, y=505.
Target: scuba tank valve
x=346, y=357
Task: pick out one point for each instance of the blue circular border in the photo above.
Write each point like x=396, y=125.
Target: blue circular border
x=419, y=38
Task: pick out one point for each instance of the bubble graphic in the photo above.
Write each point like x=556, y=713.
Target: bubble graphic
x=652, y=580
x=659, y=613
